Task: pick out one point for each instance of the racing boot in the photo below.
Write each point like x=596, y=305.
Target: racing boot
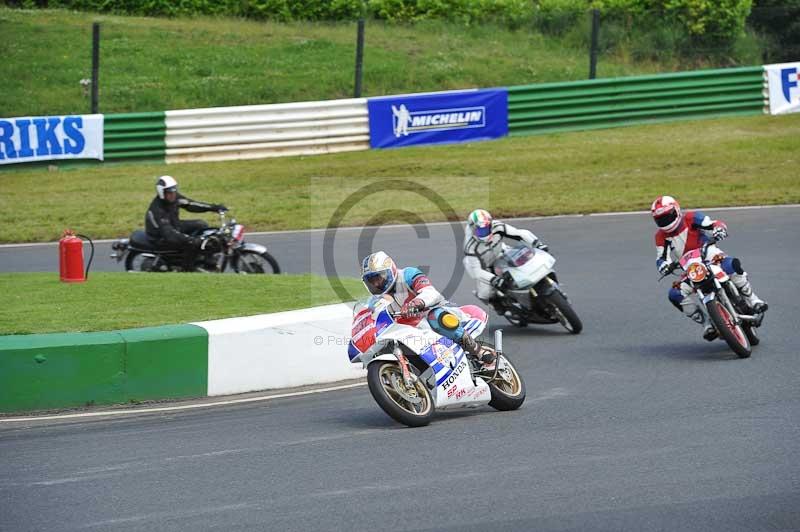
x=497, y=304
x=746, y=289
x=471, y=347
x=709, y=332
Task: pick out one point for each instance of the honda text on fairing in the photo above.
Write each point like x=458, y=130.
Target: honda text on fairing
x=413, y=371
x=728, y=311
x=518, y=282
x=220, y=248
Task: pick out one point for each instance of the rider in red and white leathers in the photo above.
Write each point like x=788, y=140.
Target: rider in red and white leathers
x=483, y=245
x=416, y=299
x=680, y=232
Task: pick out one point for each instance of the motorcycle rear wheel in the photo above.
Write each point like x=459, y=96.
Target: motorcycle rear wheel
x=383, y=378
x=566, y=314
x=136, y=262
x=751, y=333
x=508, y=389
x=727, y=328
x=742, y=307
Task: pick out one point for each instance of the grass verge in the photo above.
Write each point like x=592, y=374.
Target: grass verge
x=730, y=161
x=39, y=303
x=154, y=64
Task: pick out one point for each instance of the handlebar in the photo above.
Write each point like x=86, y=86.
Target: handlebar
x=672, y=267
x=703, y=251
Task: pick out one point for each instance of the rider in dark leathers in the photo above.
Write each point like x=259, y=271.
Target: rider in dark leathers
x=163, y=225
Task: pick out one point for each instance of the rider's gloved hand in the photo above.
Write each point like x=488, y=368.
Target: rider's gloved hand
x=664, y=268
x=219, y=207
x=720, y=233
x=498, y=282
x=412, y=308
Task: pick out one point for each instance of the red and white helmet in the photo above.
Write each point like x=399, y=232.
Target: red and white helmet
x=666, y=213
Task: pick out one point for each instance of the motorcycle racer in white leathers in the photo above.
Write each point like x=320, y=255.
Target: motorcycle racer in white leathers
x=483, y=245
x=679, y=232
x=416, y=299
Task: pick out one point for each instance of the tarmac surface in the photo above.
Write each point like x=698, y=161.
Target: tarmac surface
x=635, y=424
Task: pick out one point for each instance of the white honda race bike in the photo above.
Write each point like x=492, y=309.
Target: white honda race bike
x=533, y=294
x=412, y=371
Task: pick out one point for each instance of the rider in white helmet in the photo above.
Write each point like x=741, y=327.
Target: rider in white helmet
x=483, y=245
x=414, y=297
x=163, y=224
x=679, y=232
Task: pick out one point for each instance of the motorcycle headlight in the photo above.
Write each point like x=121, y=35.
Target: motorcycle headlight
x=696, y=272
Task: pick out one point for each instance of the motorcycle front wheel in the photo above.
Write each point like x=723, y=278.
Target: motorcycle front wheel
x=565, y=313
x=728, y=329
x=508, y=388
x=253, y=262
x=410, y=406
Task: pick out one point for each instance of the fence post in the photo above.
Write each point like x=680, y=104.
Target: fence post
x=95, y=64
x=359, y=58
x=595, y=39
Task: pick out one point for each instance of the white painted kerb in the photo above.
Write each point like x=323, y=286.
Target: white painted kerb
x=280, y=350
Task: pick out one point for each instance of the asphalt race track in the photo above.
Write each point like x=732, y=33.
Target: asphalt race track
x=636, y=424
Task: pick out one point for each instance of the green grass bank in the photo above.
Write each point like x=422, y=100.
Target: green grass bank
x=40, y=303
x=731, y=161
x=154, y=64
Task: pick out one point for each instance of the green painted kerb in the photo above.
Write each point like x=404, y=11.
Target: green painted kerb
x=45, y=371
x=166, y=362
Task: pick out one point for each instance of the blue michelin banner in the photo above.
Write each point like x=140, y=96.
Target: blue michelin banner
x=437, y=118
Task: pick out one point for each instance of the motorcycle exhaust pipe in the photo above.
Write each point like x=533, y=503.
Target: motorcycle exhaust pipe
x=498, y=341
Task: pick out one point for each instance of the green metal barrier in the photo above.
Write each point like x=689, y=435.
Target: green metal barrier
x=134, y=136
x=612, y=102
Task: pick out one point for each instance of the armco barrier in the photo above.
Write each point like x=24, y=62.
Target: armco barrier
x=613, y=102
x=308, y=128
x=259, y=131
x=133, y=136
x=269, y=351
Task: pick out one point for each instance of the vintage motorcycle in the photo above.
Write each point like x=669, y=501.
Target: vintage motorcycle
x=221, y=248
x=534, y=295
x=727, y=309
x=413, y=371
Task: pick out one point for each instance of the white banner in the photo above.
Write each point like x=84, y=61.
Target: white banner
x=45, y=138
x=784, y=89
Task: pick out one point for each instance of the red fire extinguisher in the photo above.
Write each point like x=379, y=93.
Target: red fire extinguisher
x=70, y=257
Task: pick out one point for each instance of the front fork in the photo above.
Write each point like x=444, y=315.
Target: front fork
x=409, y=379
x=722, y=295
x=550, y=285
